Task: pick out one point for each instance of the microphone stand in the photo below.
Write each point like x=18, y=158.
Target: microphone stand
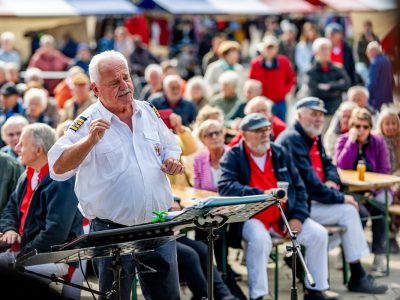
x=296, y=253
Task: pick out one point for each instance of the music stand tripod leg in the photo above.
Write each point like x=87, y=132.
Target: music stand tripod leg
x=116, y=268
x=296, y=253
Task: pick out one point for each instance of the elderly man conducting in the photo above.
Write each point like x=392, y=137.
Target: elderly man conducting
x=328, y=205
x=121, y=151
x=254, y=167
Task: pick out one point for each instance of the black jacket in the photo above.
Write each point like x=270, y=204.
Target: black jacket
x=235, y=178
x=298, y=144
x=53, y=216
x=338, y=80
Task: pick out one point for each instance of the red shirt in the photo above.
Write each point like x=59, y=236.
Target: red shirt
x=339, y=56
x=276, y=82
x=265, y=180
x=316, y=161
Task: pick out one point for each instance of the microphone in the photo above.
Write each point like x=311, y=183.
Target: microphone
x=278, y=193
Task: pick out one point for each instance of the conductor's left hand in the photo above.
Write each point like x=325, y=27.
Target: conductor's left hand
x=172, y=166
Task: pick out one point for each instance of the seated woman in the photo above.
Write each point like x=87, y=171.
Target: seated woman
x=35, y=103
x=198, y=91
x=389, y=128
x=10, y=133
x=359, y=144
x=339, y=125
x=206, y=163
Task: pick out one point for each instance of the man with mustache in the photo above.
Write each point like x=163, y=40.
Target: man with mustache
x=253, y=167
x=328, y=205
x=121, y=151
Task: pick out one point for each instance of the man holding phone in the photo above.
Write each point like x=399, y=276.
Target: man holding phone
x=171, y=99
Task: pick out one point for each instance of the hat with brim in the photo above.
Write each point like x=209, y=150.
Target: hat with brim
x=80, y=79
x=227, y=46
x=313, y=103
x=253, y=122
x=267, y=41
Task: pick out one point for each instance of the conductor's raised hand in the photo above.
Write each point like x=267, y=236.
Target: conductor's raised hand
x=172, y=166
x=97, y=129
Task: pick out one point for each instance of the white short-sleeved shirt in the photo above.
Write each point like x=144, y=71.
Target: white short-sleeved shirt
x=121, y=178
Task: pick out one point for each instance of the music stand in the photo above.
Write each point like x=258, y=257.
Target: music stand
x=114, y=243
x=214, y=213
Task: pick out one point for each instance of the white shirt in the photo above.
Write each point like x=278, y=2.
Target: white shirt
x=260, y=161
x=121, y=178
x=216, y=175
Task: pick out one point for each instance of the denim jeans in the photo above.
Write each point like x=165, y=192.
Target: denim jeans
x=279, y=110
x=162, y=285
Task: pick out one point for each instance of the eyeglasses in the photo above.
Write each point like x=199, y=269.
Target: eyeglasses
x=212, y=133
x=366, y=127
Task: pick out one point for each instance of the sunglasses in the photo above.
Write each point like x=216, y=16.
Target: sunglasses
x=363, y=126
x=212, y=133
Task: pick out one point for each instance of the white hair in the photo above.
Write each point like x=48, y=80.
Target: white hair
x=171, y=78
x=43, y=135
x=229, y=77
x=256, y=101
x=252, y=83
x=355, y=90
x=386, y=112
x=35, y=93
x=346, y=105
x=13, y=121
x=374, y=45
x=47, y=39
x=3, y=68
x=300, y=112
x=7, y=36
x=32, y=73
x=101, y=57
x=202, y=83
x=150, y=69
x=319, y=43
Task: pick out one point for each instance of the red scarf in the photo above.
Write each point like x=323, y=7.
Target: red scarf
x=265, y=180
x=316, y=160
x=26, y=201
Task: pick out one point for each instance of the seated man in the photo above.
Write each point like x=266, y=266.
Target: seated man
x=41, y=212
x=253, y=167
x=171, y=98
x=328, y=205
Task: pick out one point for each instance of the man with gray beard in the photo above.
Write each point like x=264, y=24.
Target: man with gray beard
x=328, y=205
x=254, y=167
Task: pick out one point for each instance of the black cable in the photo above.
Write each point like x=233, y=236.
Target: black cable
x=84, y=274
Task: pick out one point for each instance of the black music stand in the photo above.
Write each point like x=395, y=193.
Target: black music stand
x=114, y=243
x=215, y=212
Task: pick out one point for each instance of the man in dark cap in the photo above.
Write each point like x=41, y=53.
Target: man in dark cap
x=9, y=102
x=328, y=205
x=253, y=167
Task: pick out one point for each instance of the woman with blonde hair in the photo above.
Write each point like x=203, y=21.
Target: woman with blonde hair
x=389, y=128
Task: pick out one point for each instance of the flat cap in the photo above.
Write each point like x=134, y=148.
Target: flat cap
x=9, y=89
x=253, y=122
x=313, y=103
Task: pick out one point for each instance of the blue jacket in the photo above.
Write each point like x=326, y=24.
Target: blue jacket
x=380, y=82
x=53, y=216
x=298, y=145
x=235, y=178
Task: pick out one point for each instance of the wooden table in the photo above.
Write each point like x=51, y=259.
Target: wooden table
x=189, y=195
x=372, y=180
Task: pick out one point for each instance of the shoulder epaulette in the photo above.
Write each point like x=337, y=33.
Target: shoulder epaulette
x=77, y=123
x=155, y=110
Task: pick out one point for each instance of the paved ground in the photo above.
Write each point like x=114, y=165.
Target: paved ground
x=285, y=278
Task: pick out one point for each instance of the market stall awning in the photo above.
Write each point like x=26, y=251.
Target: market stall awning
x=360, y=5
x=240, y=7
x=183, y=7
x=64, y=8
x=291, y=6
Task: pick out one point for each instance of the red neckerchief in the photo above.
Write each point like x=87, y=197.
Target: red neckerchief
x=316, y=160
x=26, y=201
x=265, y=180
